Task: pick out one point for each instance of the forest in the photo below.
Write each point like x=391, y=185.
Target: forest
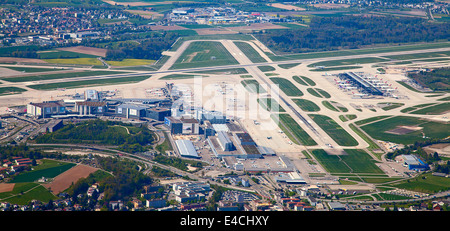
x=351, y=32
x=437, y=79
x=103, y=133
x=148, y=48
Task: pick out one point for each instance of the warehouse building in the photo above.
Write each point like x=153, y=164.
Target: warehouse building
x=46, y=109
x=225, y=141
x=131, y=111
x=90, y=108
x=186, y=149
x=158, y=113
x=175, y=125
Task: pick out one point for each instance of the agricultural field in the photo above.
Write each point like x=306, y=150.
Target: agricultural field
x=336, y=132
x=204, y=54
x=406, y=130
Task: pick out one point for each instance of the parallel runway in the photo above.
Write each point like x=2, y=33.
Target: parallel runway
x=165, y=69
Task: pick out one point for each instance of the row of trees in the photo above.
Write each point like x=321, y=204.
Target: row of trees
x=348, y=32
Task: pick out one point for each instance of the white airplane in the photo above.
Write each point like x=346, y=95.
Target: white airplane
x=359, y=94
x=10, y=110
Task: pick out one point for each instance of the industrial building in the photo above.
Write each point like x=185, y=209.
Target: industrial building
x=131, y=111
x=52, y=126
x=186, y=149
x=90, y=108
x=413, y=163
x=175, y=125
x=157, y=113
x=239, y=145
x=46, y=109
x=225, y=141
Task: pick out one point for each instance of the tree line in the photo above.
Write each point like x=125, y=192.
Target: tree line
x=350, y=32
x=148, y=48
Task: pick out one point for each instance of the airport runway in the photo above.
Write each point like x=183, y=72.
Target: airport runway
x=165, y=69
x=320, y=136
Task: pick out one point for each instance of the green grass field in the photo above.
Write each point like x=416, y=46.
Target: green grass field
x=76, y=61
x=342, y=62
x=131, y=62
x=60, y=76
x=204, y=54
x=250, y=52
x=433, y=110
x=50, y=170
x=426, y=183
x=253, y=86
x=378, y=130
x=11, y=90
x=306, y=105
x=90, y=83
x=270, y=105
x=356, y=161
x=23, y=193
x=336, y=132
x=32, y=69
x=371, y=119
x=287, y=86
x=293, y=130
x=304, y=80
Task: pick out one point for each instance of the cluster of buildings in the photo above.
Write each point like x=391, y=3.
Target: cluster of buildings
x=53, y=25
x=219, y=15
x=16, y=164
x=190, y=191
x=93, y=104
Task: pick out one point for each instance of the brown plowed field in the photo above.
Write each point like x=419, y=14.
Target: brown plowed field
x=6, y=187
x=64, y=180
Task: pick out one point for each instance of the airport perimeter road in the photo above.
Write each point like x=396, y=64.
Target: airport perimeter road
x=320, y=136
